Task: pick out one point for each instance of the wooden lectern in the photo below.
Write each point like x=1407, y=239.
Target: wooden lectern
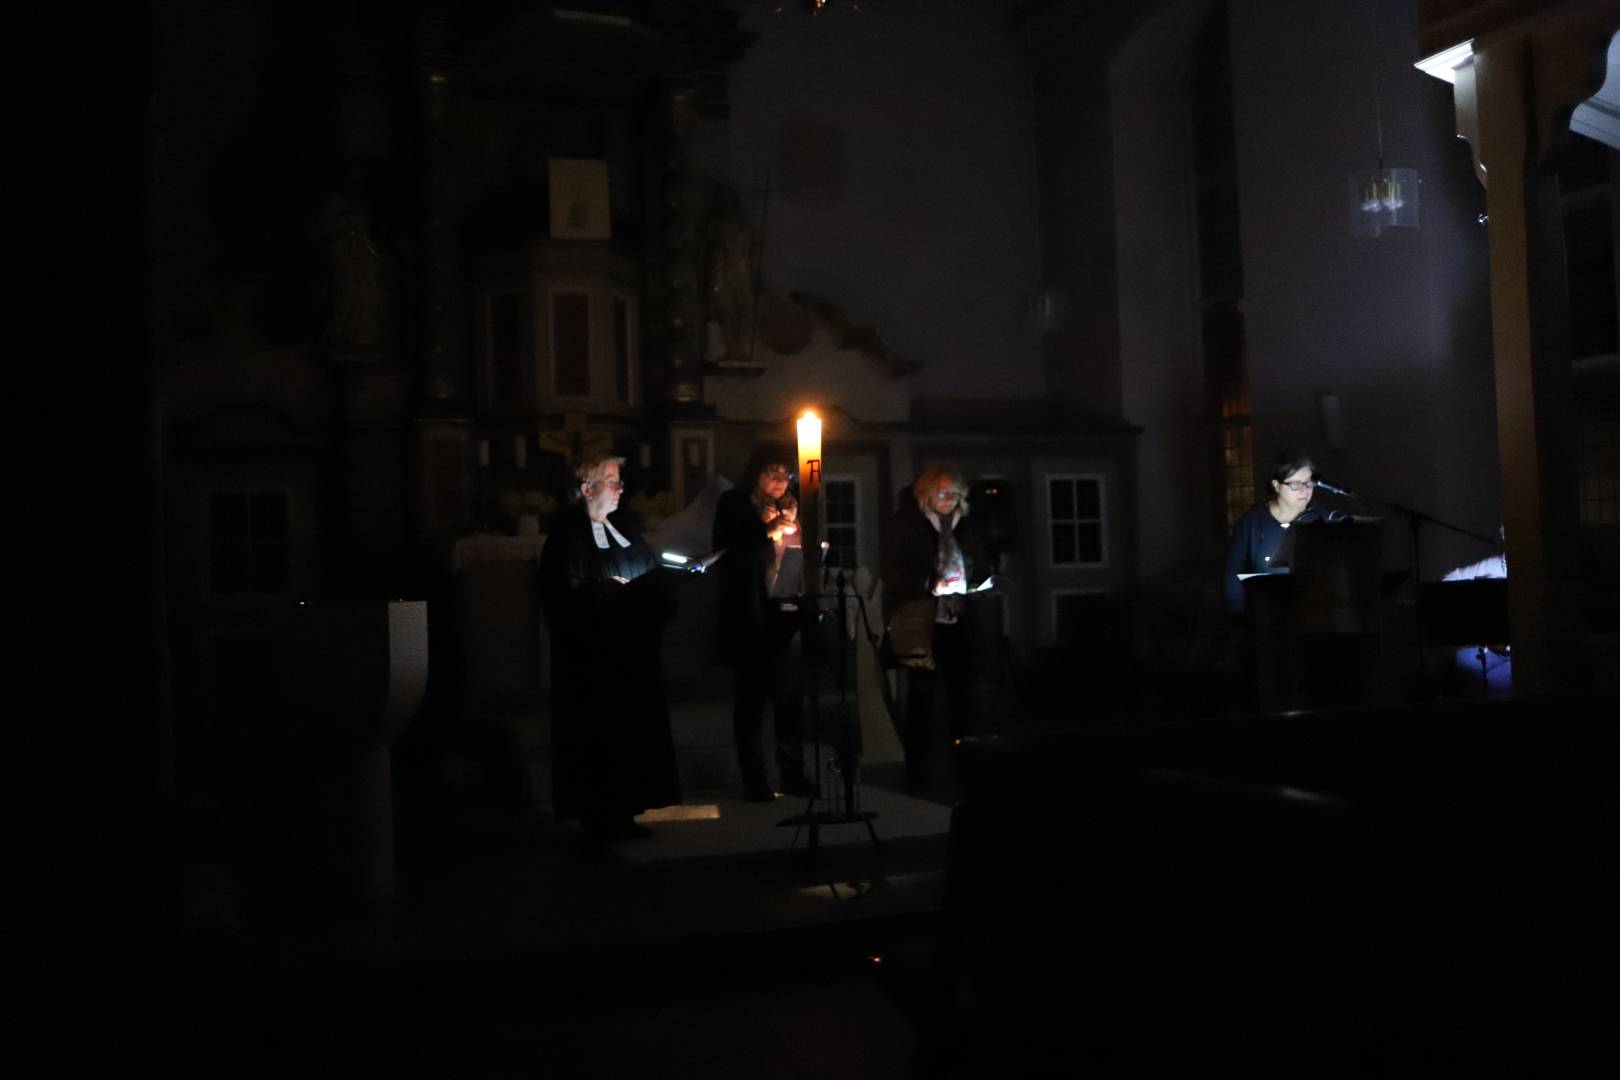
x=1317, y=623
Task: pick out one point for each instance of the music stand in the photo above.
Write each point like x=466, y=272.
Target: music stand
x=1335, y=568
x=1315, y=618
x=825, y=637
x=1415, y=520
x=1473, y=612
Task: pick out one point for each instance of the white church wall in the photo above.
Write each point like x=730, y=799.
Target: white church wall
x=901, y=142
x=1396, y=327
x=821, y=376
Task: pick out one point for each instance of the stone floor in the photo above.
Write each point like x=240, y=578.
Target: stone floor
x=716, y=947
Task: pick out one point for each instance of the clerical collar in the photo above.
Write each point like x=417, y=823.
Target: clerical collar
x=600, y=531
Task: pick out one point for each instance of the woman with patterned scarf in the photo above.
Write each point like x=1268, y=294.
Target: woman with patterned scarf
x=930, y=565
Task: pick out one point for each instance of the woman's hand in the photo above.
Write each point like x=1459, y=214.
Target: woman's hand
x=781, y=529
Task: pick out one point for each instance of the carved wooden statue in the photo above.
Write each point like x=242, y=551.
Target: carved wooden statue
x=730, y=280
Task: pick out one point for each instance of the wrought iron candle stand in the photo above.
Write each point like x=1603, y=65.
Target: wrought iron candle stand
x=836, y=799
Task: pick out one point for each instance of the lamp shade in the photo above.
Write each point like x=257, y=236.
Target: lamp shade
x=1383, y=199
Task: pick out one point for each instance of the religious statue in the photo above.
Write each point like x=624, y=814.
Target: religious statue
x=355, y=307
x=730, y=280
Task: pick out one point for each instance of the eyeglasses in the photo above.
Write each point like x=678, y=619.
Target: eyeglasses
x=777, y=474
x=1296, y=486
x=611, y=485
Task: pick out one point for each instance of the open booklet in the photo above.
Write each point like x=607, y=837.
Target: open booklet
x=690, y=564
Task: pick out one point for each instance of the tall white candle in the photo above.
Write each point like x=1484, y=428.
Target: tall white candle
x=810, y=499
x=809, y=454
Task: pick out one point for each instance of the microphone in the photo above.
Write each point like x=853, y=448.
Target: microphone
x=1323, y=485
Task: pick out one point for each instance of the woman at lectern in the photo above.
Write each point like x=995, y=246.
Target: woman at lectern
x=1257, y=538
x=612, y=752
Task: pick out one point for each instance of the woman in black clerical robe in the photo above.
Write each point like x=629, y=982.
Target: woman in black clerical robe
x=606, y=604
x=1257, y=545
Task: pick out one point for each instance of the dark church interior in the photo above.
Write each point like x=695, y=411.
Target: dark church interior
x=369, y=291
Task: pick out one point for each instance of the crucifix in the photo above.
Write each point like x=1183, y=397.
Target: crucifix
x=574, y=441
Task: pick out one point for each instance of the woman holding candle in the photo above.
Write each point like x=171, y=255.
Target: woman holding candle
x=756, y=628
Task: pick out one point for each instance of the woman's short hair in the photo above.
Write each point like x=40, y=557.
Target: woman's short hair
x=591, y=469
x=1288, y=463
x=929, y=482
x=762, y=457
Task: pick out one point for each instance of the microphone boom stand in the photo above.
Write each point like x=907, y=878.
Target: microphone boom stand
x=1415, y=520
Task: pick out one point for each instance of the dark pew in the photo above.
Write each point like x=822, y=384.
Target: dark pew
x=1345, y=893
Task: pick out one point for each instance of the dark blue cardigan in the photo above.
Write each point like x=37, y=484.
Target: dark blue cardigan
x=1255, y=540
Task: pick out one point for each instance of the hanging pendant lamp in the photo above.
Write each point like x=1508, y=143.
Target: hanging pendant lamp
x=1386, y=198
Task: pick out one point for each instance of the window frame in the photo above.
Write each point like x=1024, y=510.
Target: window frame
x=525, y=358
x=1052, y=521
x=553, y=291
x=616, y=296
x=1234, y=454
x=854, y=481
x=210, y=544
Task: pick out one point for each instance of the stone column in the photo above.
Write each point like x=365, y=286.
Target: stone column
x=443, y=360
x=357, y=678
x=371, y=381
x=677, y=276
x=1525, y=79
x=442, y=437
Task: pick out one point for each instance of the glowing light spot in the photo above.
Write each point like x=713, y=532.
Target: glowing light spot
x=699, y=812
